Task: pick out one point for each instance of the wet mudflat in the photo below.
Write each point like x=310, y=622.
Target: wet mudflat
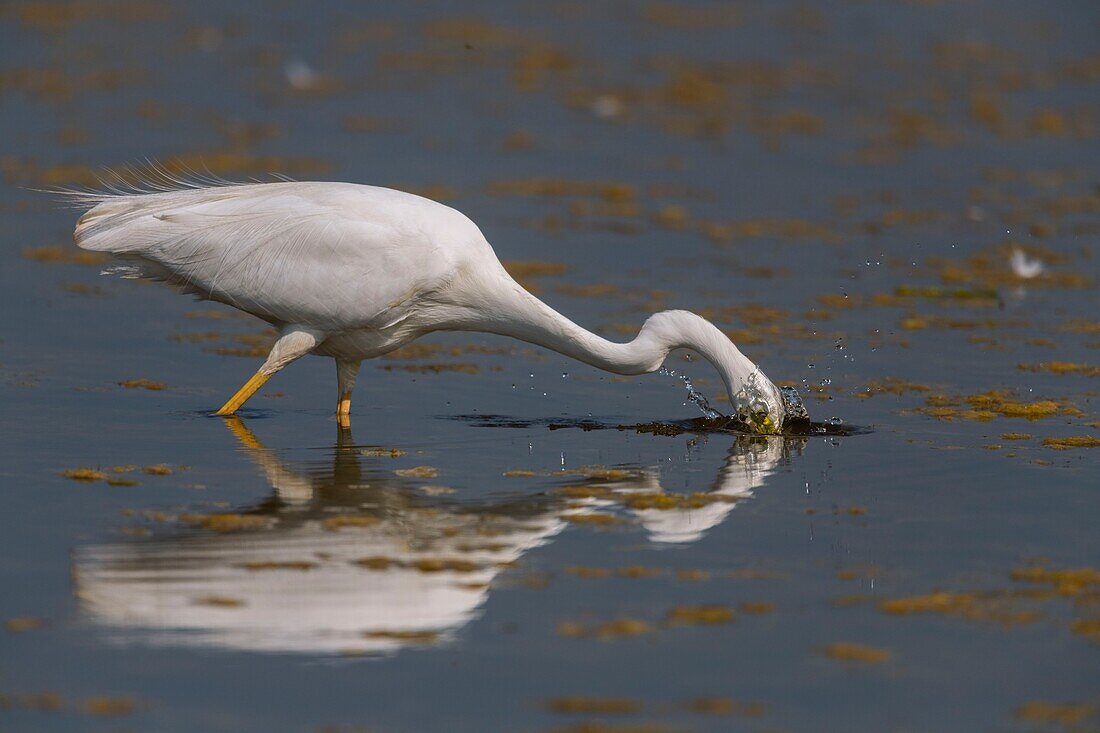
x=893, y=207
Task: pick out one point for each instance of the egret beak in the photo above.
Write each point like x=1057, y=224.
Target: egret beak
x=250, y=388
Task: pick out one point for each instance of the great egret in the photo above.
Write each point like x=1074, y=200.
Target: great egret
x=352, y=272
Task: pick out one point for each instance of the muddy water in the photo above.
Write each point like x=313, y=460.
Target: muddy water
x=506, y=540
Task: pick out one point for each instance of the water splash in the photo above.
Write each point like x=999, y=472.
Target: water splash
x=694, y=396
x=795, y=414
x=700, y=401
x=750, y=404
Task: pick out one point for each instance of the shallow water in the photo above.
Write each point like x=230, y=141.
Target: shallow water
x=506, y=540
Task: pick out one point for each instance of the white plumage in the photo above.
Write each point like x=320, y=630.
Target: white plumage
x=353, y=271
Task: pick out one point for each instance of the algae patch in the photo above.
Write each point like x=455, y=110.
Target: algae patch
x=143, y=383
x=1074, y=441
x=847, y=651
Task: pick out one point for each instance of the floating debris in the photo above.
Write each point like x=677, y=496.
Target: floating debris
x=108, y=707
x=847, y=651
x=440, y=565
x=143, y=383
x=21, y=624
x=617, y=628
x=1075, y=441
x=342, y=521
x=579, y=705
x=988, y=405
x=725, y=706
x=299, y=565
x=1062, y=367
x=756, y=608
x=417, y=472
x=65, y=255
x=692, y=575
x=1038, y=711
x=1025, y=267
x=40, y=701
x=699, y=615
x=381, y=452
x=407, y=637
x=88, y=475
x=226, y=522
x=219, y=602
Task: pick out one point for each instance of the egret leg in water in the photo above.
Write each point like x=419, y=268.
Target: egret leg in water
x=353, y=272
x=346, y=374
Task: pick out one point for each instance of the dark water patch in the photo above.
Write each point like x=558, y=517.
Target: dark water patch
x=505, y=421
x=699, y=425
x=731, y=425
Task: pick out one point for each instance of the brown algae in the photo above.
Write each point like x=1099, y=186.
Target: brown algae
x=847, y=651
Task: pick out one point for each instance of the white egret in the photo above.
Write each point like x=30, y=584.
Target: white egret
x=353, y=272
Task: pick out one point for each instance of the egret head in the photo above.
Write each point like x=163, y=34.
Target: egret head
x=758, y=404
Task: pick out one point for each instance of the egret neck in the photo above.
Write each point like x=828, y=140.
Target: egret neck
x=498, y=304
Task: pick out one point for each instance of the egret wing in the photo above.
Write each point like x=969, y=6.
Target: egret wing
x=333, y=256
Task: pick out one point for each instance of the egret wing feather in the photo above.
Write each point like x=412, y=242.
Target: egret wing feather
x=330, y=255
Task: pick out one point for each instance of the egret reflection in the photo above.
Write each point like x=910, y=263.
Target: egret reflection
x=346, y=557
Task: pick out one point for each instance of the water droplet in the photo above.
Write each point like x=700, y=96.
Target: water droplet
x=565, y=375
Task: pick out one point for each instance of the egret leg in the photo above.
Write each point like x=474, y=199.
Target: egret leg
x=293, y=344
x=346, y=374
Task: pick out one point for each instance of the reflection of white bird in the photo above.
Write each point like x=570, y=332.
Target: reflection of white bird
x=749, y=462
x=353, y=272
x=303, y=588
x=745, y=469
x=416, y=573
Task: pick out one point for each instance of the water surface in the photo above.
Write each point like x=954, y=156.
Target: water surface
x=506, y=540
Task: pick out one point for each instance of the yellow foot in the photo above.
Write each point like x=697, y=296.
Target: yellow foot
x=250, y=387
x=343, y=411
